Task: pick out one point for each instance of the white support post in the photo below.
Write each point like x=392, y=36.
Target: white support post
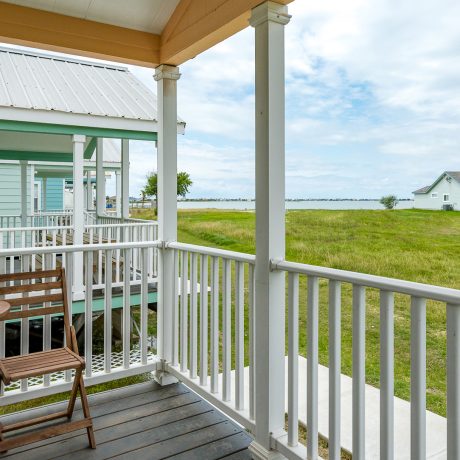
x=118, y=185
x=269, y=20
x=100, y=178
x=89, y=192
x=166, y=77
x=32, y=188
x=78, y=215
x=124, y=179
x=24, y=193
x=44, y=191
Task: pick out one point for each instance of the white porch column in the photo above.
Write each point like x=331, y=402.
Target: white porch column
x=89, y=192
x=32, y=187
x=24, y=186
x=44, y=188
x=166, y=77
x=269, y=20
x=124, y=178
x=78, y=217
x=100, y=178
x=118, y=185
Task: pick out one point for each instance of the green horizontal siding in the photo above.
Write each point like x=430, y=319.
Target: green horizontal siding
x=54, y=193
x=10, y=189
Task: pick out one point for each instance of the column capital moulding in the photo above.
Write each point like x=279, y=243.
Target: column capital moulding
x=166, y=72
x=269, y=11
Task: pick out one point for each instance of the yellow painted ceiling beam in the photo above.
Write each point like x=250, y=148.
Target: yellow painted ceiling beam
x=56, y=32
x=197, y=25
x=194, y=27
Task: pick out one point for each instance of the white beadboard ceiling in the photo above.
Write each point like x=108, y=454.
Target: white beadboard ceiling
x=144, y=15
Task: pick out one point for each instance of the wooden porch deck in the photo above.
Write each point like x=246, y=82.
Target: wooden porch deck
x=143, y=421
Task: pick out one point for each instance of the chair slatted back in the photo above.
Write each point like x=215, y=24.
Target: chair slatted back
x=42, y=292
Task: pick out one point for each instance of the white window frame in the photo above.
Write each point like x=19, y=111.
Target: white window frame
x=434, y=195
x=446, y=197
x=38, y=192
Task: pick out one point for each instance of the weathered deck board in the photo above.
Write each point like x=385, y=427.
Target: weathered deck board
x=143, y=421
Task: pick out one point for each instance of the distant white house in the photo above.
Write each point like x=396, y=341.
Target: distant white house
x=443, y=193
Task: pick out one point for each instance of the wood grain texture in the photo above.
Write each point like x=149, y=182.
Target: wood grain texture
x=44, y=363
x=144, y=421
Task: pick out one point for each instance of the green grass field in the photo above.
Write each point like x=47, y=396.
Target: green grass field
x=413, y=245
x=421, y=246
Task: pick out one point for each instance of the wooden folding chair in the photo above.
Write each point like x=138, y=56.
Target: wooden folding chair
x=42, y=293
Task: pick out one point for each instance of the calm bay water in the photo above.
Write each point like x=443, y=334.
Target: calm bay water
x=247, y=205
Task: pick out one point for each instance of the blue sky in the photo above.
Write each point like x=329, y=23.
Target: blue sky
x=372, y=103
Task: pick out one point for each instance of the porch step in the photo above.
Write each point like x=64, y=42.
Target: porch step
x=436, y=426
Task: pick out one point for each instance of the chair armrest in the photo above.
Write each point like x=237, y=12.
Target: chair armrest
x=4, y=308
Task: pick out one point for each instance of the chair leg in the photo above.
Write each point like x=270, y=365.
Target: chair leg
x=86, y=413
x=73, y=393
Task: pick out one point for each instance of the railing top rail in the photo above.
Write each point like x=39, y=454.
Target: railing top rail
x=238, y=256
x=124, y=224
x=411, y=288
x=78, y=248
x=35, y=229
x=52, y=212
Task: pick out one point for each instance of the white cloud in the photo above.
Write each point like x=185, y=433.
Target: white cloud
x=372, y=99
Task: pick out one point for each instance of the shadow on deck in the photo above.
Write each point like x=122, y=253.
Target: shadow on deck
x=143, y=421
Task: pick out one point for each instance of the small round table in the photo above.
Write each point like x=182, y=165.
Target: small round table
x=4, y=308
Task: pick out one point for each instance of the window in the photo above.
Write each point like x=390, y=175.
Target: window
x=37, y=193
x=434, y=195
x=446, y=197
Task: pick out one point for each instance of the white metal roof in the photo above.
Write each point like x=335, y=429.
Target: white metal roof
x=145, y=15
x=111, y=151
x=44, y=82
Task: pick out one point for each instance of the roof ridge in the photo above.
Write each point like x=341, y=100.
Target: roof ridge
x=44, y=55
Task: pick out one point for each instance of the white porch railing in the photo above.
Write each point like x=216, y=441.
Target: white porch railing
x=61, y=236
x=419, y=294
x=220, y=282
x=133, y=357
x=39, y=219
x=32, y=237
x=126, y=232
x=10, y=221
x=212, y=313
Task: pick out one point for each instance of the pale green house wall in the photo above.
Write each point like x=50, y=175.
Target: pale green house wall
x=54, y=194
x=10, y=189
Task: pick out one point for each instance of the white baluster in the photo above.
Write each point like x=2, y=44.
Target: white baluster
x=239, y=335
x=214, y=324
x=193, y=316
x=89, y=313
x=293, y=359
x=227, y=329
x=126, y=307
x=108, y=312
x=334, y=369
x=359, y=382
x=386, y=375
x=184, y=312
x=453, y=381
x=144, y=304
x=312, y=368
x=418, y=378
x=204, y=320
